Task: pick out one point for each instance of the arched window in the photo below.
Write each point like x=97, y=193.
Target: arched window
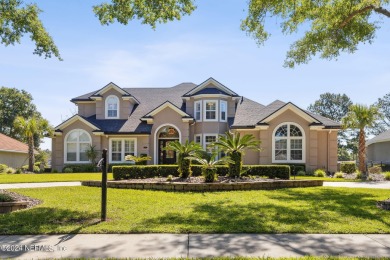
x=288, y=143
x=112, y=107
x=76, y=145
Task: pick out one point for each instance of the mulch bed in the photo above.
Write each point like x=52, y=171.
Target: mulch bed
x=19, y=197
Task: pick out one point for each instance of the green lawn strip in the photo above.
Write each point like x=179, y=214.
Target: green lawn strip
x=323, y=179
x=298, y=210
x=50, y=177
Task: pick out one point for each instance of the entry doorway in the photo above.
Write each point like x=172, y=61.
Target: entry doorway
x=165, y=136
x=166, y=156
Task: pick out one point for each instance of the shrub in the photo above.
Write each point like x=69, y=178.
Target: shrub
x=209, y=174
x=3, y=167
x=151, y=171
x=295, y=168
x=117, y=164
x=319, y=173
x=18, y=171
x=359, y=174
x=169, y=178
x=36, y=169
x=5, y=198
x=338, y=175
x=10, y=170
x=68, y=170
x=301, y=173
x=54, y=171
x=348, y=167
x=80, y=167
x=387, y=175
x=375, y=170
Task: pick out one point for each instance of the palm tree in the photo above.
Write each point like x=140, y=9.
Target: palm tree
x=234, y=146
x=35, y=126
x=208, y=162
x=183, y=151
x=361, y=117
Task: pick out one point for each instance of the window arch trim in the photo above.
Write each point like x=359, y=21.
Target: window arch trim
x=106, y=107
x=78, y=142
x=289, y=138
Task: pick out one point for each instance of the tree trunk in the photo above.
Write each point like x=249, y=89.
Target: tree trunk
x=362, y=151
x=31, y=153
x=235, y=169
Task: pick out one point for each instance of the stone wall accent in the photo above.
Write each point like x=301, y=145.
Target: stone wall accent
x=6, y=207
x=176, y=186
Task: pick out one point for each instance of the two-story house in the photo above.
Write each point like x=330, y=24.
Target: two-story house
x=144, y=120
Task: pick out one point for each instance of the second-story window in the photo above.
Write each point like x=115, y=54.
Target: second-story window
x=198, y=110
x=210, y=110
x=112, y=107
x=223, y=110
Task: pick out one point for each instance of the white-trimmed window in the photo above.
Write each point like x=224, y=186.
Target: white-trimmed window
x=198, y=110
x=209, y=139
x=222, y=110
x=198, y=139
x=210, y=110
x=76, y=144
x=288, y=143
x=112, y=107
x=119, y=148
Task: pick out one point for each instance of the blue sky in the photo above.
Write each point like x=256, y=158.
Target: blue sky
x=209, y=43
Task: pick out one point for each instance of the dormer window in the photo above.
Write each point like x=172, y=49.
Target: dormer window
x=210, y=110
x=112, y=107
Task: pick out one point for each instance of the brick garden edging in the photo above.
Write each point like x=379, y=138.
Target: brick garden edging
x=177, y=186
x=6, y=207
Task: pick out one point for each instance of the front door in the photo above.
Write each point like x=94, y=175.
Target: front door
x=166, y=156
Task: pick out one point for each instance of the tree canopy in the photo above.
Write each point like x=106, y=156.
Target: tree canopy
x=335, y=26
x=14, y=103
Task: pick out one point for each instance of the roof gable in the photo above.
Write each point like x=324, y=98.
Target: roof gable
x=382, y=137
x=290, y=106
x=74, y=119
x=109, y=86
x=166, y=104
x=9, y=144
x=217, y=87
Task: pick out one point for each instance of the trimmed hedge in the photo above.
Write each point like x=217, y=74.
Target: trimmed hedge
x=76, y=168
x=151, y=171
x=348, y=167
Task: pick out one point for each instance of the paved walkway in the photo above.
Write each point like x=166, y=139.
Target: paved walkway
x=371, y=184
x=192, y=245
x=39, y=185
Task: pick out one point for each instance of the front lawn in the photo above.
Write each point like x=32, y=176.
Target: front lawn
x=51, y=177
x=299, y=210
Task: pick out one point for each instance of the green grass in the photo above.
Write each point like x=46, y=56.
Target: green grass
x=323, y=179
x=50, y=177
x=299, y=210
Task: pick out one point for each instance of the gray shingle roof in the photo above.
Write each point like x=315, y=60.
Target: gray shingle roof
x=248, y=113
x=383, y=137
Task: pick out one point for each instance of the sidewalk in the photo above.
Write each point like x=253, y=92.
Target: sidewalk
x=39, y=185
x=192, y=245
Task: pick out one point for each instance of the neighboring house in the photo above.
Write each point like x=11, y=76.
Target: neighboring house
x=378, y=148
x=144, y=120
x=13, y=153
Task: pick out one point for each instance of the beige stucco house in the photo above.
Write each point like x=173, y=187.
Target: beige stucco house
x=13, y=153
x=144, y=120
x=378, y=148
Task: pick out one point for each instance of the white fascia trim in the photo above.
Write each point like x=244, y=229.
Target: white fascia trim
x=84, y=102
x=134, y=101
x=186, y=120
x=98, y=133
x=72, y=120
x=210, y=96
x=261, y=127
x=315, y=127
x=14, y=151
x=295, y=109
x=111, y=86
x=216, y=111
x=213, y=82
x=379, y=141
x=57, y=134
x=165, y=105
x=96, y=98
